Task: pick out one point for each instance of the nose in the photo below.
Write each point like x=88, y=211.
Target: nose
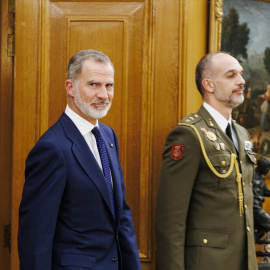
x=102, y=93
x=241, y=80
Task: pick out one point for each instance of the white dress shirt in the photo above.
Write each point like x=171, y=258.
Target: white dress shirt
x=222, y=122
x=85, y=129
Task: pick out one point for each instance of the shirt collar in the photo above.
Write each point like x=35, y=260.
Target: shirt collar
x=218, y=117
x=83, y=125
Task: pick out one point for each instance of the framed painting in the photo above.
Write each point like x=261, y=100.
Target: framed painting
x=242, y=27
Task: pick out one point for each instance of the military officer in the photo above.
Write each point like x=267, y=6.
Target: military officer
x=204, y=216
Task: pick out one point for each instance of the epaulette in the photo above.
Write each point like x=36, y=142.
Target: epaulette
x=191, y=119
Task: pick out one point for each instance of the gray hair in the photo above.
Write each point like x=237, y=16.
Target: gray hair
x=75, y=63
x=203, y=69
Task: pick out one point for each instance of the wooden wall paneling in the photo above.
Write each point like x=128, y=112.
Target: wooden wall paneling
x=25, y=100
x=6, y=84
x=195, y=47
x=176, y=51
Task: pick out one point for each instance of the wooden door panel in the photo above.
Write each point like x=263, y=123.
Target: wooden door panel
x=117, y=29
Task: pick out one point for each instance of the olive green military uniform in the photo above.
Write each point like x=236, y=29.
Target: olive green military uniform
x=198, y=222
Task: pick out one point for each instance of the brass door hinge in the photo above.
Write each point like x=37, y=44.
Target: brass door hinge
x=11, y=45
x=7, y=236
x=11, y=6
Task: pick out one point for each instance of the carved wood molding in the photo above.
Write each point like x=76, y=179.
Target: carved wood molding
x=215, y=25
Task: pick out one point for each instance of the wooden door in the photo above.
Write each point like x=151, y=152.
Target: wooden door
x=147, y=41
x=6, y=80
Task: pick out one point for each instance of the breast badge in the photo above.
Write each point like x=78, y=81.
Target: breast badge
x=177, y=151
x=248, y=146
x=222, y=146
x=203, y=130
x=211, y=136
x=217, y=146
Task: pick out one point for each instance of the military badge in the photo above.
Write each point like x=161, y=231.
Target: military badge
x=211, y=136
x=177, y=151
x=222, y=146
x=248, y=146
x=203, y=130
x=217, y=146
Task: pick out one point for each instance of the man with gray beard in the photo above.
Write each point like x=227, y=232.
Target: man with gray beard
x=73, y=213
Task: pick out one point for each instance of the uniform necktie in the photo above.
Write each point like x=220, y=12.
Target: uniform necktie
x=229, y=132
x=105, y=163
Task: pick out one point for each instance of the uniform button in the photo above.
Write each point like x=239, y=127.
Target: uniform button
x=241, y=162
x=248, y=229
x=224, y=171
x=205, y=241
x=244, y=184
x=246, y=207
x=223, y=162
x=255, y=160
x=114, y=258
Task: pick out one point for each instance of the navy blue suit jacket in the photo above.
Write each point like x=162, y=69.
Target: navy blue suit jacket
x=65, y=218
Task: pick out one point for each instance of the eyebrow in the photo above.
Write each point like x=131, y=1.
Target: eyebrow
x=97, y=81
x=233, y=70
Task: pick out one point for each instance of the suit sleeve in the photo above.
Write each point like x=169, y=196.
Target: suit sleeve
x=126, y=233
x=174, y=193
x=45, y=177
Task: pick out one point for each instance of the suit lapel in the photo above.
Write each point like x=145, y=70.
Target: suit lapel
x=85, y=157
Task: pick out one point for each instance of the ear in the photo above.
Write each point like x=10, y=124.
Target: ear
x=208, y=85
x=69, y=85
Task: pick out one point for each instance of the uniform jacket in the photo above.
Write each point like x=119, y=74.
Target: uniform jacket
x=198, y=225
x=66, y=219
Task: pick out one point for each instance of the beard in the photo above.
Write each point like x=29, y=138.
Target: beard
x=230, y=100
x=87, y=108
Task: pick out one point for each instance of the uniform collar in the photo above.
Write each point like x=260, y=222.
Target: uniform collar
x=218, y=117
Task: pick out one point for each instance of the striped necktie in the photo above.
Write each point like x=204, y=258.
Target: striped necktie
x=105, y=163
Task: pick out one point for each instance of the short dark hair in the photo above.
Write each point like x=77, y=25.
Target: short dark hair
x=203, y=69
x=75, y=63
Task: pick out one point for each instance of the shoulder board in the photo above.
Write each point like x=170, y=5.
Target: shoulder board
x=191, y=119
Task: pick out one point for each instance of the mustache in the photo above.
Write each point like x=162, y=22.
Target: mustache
x=239, y=88
x=106, y=101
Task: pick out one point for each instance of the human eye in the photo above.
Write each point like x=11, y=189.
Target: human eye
x=230, y=74
x=109, y=85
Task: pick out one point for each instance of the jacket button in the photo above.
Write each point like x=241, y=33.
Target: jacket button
x=248, y=229
x=114, y=258
x=246, y=207
x=205, y=241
